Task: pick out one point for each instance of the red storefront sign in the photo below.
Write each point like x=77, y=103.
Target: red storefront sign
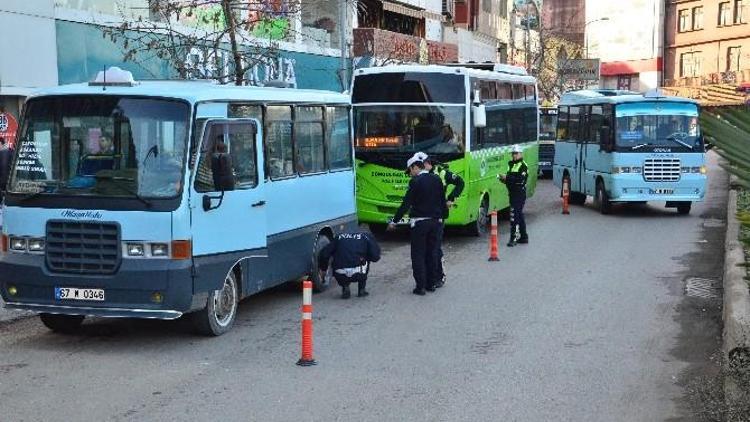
x=8, y=128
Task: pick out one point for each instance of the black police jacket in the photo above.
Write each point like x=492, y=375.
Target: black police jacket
x=349, y=250
x=516, y=178
x=425, y=198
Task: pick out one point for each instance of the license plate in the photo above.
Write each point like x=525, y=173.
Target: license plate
x=545, y=163
x=662, y=191
x=74, y=293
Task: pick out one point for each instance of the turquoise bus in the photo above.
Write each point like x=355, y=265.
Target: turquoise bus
x=621, y=146
x=160, y=199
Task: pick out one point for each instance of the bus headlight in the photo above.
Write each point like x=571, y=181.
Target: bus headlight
x=36, y=245
x=703, y=170
x=135, y=249
x=18, y=243
x=619, y=170
x=686, y=169
x=159, y=249
x=636, y=170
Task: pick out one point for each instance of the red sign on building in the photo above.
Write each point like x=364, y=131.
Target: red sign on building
x=8, y=128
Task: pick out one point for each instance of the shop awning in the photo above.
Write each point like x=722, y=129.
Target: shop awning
x=403, y=9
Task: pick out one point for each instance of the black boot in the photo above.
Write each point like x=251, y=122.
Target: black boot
x=524, y=239
x=345, y=292
x=361, y=292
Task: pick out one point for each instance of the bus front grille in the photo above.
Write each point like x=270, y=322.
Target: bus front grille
x=83, y=247
x=546, y=152
x=661, y=169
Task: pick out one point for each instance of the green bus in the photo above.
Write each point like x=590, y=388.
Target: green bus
x=467, y=118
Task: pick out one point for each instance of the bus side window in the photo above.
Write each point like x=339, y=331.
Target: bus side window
x=308, y=140
x=562, y=124
x=596, y=122
x=242, y=152
x=339, y=146
x=279, y=141
x=585, y=124
x=574, y=119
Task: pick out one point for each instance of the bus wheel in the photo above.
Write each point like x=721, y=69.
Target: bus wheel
x=219, y=314
x=320, y=284
x=601, y=200
x=61, y=323
x=684, y=208
x=481, y=226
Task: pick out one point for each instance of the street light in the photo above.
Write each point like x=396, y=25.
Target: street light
x=586, y=33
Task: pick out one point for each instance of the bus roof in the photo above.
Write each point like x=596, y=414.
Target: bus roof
x=198, y=91
x=613, y=96
x=453, y=69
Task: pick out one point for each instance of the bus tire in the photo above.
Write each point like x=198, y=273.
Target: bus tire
x=320, y=284
x=62, y=323
x=221, y=309
x=684, y=208
x=480, y=226
x=601, y=199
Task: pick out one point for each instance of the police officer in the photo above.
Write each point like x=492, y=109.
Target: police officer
x=351, y=254
x=425, y=202
x=448, y=178
x=515, y=180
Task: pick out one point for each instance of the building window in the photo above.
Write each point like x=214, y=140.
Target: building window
x=684, y=20
x=690, y=64
x=698, y=18
x=739, y=11
x=725, y=14
x=733, y=59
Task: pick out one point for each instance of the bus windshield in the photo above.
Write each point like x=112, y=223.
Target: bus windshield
x=648, y=131
x=102, y=146
x=432, y=129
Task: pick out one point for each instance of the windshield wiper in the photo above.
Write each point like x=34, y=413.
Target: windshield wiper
x=685, y=144
x=639, y=146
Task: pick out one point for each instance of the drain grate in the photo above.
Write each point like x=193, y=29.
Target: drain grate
x=712, y=223
x=701, y=288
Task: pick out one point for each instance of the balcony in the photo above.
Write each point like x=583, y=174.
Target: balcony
x=714, y=89
x=391, y=47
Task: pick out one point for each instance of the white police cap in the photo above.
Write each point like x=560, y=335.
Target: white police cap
x=516, y=149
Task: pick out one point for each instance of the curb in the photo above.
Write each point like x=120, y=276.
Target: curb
x=736, y=315
x=9, y=315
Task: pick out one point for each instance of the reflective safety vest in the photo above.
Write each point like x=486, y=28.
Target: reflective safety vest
x=515, y=168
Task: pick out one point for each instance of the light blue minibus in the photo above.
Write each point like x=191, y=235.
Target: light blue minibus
x=621, y=146
x=158, y=199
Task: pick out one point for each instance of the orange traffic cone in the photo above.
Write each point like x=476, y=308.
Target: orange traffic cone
x=493, y=237
x=307, y=326
x=566, y=196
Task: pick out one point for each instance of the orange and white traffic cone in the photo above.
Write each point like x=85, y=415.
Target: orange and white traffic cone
x=566, y=196
x=493, y=237
x=307, y=326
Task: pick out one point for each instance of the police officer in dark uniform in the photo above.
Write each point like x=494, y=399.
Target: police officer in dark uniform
x=351, y=254
x=448, y=178
x=425, y=202
x=515, y=180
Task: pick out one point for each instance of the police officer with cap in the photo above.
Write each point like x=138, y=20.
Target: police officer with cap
x=448, y=178
x=515, y=180
x=350, y=255
x=425, y=203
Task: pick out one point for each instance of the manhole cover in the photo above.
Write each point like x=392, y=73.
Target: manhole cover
x=713, y=223
x=701, y=287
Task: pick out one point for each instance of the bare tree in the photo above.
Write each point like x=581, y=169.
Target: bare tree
x=223, y=40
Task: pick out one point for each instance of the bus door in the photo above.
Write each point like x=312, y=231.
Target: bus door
x=583, y=145
x=228, y=197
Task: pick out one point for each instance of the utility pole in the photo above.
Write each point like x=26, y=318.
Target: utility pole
x=344, y=68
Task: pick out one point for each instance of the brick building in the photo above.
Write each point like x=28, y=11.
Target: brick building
x=708, y=42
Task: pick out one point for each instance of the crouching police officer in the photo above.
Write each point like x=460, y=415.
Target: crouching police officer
x=352, y=254
x=515, y=180
x=448, y=178
x=425, y=202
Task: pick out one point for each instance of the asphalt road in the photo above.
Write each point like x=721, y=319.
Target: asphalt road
x=589, y=322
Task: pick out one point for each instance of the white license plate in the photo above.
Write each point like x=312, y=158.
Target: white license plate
x=662, y=191
x=74, y=293
x=545, y=163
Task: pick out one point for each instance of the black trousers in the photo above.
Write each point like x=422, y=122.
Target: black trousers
x=343, y=280
x=517, y=220
x=441, y=271
x=425, y=250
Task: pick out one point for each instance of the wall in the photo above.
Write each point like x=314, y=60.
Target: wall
x=712, y=41
x=633, y=31
x=471, y=46
x=26, y=27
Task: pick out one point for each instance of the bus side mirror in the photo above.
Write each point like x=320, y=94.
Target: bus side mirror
x=208, y=201
x=480, y=116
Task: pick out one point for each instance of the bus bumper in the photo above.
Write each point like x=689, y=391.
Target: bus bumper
x=380, y=212
x=635, y=189
x=141, y=288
